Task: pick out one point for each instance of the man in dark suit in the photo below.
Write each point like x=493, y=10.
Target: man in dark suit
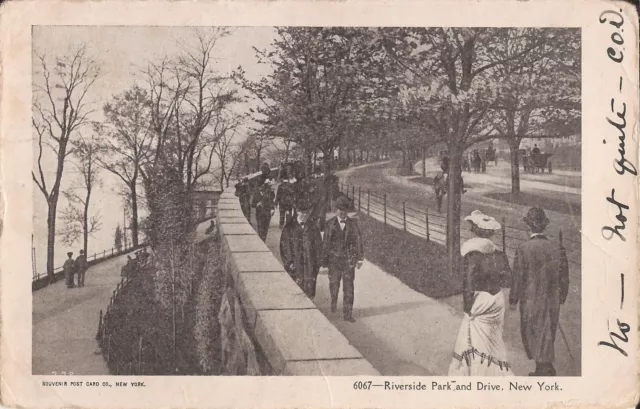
x=80, y=266
x=263, y=201
x=301, y=248
x=285, y=196
x=540, y=284
x=242, y=192
x=343, y=253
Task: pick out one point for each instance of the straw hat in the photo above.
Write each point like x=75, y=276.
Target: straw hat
x=482, y=221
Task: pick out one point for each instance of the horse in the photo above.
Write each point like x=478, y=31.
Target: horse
x=440, y=184
x=535, y=163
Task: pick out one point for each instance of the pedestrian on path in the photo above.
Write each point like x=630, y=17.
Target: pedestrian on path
x=242, y=192
x=263, y=201
x=301, y=248
x=285, y=196
x=480, y=349
x=540, y=284
x=68, y=270
x=80, y=266
x=343, y=253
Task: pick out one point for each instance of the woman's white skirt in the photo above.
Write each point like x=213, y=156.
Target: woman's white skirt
x=479, y=349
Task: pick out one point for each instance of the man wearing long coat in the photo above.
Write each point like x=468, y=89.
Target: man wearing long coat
x=242, y=192
x=343, y=252
x=263, y=201
x=80, y=266
x=540, y=284
x=301, y=249
x=285, y=197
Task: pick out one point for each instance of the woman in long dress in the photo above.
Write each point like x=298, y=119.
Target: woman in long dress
x=479, y=349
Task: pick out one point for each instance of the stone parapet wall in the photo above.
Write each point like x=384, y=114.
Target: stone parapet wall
x=269, y=326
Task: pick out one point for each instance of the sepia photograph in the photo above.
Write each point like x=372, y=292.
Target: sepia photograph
x=318, y=204
x=307, y=201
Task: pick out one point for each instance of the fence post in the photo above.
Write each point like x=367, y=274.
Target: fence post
x=560, y=238
x=404, y=216
x=426, y=221
x=504, y=236
x=99, y=334
x=385, y=208
x=353, y=194
x=108, y=348
x=368, y=202
x=359, y=199
x=140, y=355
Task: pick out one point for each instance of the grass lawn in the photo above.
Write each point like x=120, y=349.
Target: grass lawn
x=529, y=199
x=419, y=264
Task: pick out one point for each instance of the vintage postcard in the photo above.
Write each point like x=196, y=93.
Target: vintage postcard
x=317, y=204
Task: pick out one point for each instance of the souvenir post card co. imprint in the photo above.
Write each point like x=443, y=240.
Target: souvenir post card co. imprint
x=252, y=204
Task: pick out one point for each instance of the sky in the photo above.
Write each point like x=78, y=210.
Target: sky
x=120, y=52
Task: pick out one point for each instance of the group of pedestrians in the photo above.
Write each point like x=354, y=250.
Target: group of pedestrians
x=304, y=250
x=308, y=242
x=75, y=267
x=539, y=281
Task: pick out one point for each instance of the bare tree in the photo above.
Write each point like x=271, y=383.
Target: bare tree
x=60, y=108
x=225, y=131
x=126, y=138
x=76, y=220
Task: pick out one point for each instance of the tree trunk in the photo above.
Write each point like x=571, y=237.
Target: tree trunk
x=85, y=221
x=315, y=160
x=51, y=236
x=424, y=162
x=514, y=145
x=341, y=151
x=454, y=208
x=134, y=214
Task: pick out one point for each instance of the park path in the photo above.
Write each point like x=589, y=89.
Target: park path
x=65, y=321
x=560, y=181
x=383, y=178
x=401, y=332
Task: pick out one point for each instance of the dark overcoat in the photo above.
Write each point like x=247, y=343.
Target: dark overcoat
x=540, y=283
x=301, y=252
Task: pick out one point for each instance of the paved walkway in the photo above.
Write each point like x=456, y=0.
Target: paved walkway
x=65, y=321
x=383, y=177
x=399, y=331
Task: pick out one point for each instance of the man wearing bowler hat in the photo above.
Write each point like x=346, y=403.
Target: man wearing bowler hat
x=343, y=253
x=80, y=265
x=540, y=283
x=301, y=248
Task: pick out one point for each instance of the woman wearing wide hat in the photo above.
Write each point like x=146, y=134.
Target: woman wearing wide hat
x=540, y=284
x=479, y=349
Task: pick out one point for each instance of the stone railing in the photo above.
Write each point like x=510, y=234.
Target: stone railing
x=268, y=325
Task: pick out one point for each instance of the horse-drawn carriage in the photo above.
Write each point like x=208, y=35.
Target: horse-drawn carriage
x=535, y=162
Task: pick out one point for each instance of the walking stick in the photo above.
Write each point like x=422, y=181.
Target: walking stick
x=564, y=337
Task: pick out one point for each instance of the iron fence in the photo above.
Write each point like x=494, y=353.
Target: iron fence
x=106, y=253
x=433, y=226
